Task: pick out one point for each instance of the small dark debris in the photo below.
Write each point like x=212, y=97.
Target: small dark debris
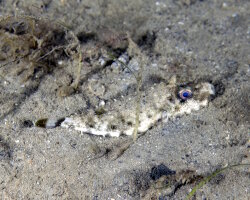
x=113, y=127
x=129, y=123
x=147, y=40
x=160, y=170
x=5, y=150
x=219, y=89
x=86, y=37
x=27, y=124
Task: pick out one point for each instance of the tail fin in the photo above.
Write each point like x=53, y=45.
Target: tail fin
x=49, y=123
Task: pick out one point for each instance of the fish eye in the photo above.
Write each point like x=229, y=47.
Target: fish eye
x=185, y=94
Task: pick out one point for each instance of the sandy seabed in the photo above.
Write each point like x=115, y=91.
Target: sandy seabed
x=194, y=40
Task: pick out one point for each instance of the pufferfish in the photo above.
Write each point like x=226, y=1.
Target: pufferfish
x=162, y=101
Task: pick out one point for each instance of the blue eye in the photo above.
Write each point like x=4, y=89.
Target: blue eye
x=185, y=94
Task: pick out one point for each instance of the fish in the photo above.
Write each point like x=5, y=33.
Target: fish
x=159, y=102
